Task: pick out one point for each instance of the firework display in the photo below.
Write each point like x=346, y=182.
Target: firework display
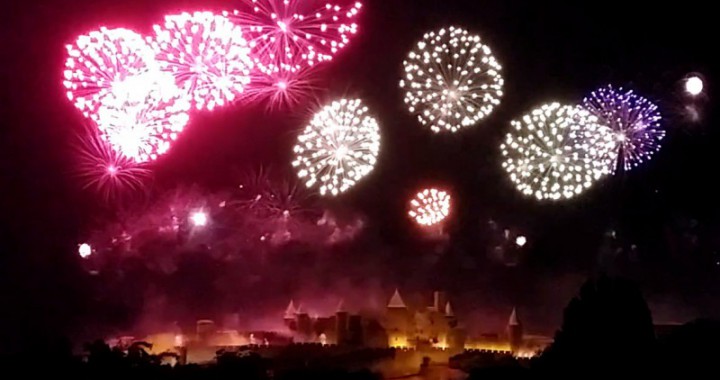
x=283, y=31
x=141, y=126
x=634, y=123
x=207, y=54
x=100, y=60
x=338, y=148
x=108, y=172
x=557, y=152
x=430, y=207
x=452, y=80
x=280, y=86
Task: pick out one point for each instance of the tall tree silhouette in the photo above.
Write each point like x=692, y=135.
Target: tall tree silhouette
x=607, y=327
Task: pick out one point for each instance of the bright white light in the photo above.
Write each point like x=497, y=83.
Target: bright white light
x=85, y=250
x=694, y=86
x=199, y=219
x=521, y=241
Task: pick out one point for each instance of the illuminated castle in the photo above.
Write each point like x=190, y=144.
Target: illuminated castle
x=426, y=328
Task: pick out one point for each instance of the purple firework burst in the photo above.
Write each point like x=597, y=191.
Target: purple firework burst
x=634, y=121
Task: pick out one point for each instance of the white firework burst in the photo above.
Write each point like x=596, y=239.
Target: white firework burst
x=452, y=80
x=338, y=148
x=557, y=152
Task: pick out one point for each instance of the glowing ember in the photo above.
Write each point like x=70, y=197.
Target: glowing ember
x=694, y=85
x=199, y=219
x=84, y=250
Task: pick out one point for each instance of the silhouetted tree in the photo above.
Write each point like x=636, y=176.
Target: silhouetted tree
x=607, y=327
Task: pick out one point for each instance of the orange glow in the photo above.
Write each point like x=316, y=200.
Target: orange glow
x=398, y=341
x=488, y=346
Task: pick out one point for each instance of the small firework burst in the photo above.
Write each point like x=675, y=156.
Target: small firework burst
x=106, y=171
x=430, y=207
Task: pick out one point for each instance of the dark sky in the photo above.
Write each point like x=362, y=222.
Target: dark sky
x=550, y=50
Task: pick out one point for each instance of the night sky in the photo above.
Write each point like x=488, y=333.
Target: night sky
x=550, y=50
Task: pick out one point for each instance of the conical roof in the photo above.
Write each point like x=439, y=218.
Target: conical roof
x=341, y=307
x=448, y=310
x=290, y=311
x=514, y=321
x=396, y=302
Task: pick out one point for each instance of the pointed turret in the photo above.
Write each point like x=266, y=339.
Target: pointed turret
x=448, y=310
x=396, y=302
x=513, y=321
x=341, y=307
x=515, y=332
x=290, y=311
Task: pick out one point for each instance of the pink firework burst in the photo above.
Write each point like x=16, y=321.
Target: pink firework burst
x=284, y=31
x=101, y=59
x=110, y=174
x=141, y=124
x=280, y=87
x=207, y=54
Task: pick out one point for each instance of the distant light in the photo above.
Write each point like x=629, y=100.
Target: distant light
x=199, y=219
x=112, y=170
x=521, y=241
x=85, y=250
x=282, y=85
x=694, y=85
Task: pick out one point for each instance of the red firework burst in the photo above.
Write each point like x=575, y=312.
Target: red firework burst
x=284, y=31
x=101, y=59
x=207, y=54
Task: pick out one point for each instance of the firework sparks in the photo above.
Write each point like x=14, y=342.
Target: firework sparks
x=142, y=125
x=100, y=61
x=338, y=148
x=430, y=207
x=557, y=152
x=207, y=54
x=452, y=80
x=108, y=172
x=633, y=120
x=284, y=31
x=279, y=86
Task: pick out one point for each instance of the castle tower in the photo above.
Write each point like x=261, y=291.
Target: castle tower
x=289, y=317
x=355, y=331
x=515, y=332
x=439, y=301
x=397, y=321
x=304, y=325
x=341, y=324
